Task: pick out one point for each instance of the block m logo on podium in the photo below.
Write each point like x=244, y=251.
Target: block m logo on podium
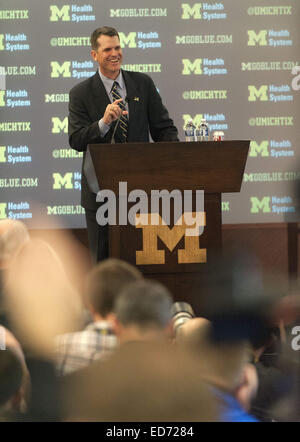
x=191, y=253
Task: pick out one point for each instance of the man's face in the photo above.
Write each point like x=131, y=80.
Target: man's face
x=108, y=55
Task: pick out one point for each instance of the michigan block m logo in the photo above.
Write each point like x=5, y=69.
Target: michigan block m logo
x=128, y=40
x=191, y=253
x=196, y=120
x=1, y=42
x=2, y=98
x=260, y=38
x=59, y=126
x=60, y=14
x=261, y=93
x=261, y=149
x=57, y=69
x=190, y=67
x=189, y=11
x=65, y=181
x=3, y=210
x=2, y=154
x=260, y=205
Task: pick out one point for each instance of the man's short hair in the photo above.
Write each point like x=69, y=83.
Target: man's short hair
x=106, y=281
x=144, y=304
x=104, y=30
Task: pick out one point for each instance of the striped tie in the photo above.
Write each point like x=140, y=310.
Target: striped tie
x=123, y=124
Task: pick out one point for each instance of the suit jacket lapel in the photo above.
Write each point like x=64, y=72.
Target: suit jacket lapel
x=100, y=97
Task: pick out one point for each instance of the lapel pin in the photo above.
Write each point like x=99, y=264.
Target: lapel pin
x=136, y=98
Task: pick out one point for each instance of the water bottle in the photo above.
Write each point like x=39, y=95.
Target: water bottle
x=202, y=133
x=190, y=131
x=207, y=131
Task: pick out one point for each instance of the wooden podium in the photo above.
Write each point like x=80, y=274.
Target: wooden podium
x=168, y=255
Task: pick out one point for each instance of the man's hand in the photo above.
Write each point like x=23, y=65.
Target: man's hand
x=113, y=112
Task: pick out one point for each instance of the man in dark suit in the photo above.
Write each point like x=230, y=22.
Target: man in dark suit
x=112, y=97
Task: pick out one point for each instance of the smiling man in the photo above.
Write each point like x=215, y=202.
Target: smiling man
x=112, y=97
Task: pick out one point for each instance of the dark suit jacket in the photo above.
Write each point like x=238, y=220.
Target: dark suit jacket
x=87, y=104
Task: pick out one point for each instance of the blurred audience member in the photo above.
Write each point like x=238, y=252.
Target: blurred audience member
x=11, y=375
x=146, y=378
x=225, y=367
x=145, y=382
x=13, y=234
x=143, y=312
x=14, y=377
x=41, y=299
x=42, y=304
x=277, y=365
x=104, y=283
x=266, y=358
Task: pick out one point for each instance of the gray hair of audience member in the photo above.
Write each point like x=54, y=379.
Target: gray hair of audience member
x=13, y=234
x=105, y=282
x=143, y=304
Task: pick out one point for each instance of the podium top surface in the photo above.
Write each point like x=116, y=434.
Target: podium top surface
x=215, y=167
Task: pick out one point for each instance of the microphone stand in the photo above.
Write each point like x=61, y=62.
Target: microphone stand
x=114, y=132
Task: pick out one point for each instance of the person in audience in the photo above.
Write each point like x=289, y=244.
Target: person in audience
x=143, y=312
x=146, y=378
x=33, y=297
x=42, y=304
x=11, y=375
x=13, y=234
x=146, y=383
x=225, y=367
x=97, y=340
x=14, y=377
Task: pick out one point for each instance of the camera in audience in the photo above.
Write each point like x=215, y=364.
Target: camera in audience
x=181, y=313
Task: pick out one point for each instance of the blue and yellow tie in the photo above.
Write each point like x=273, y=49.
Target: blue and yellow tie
x=123, y=124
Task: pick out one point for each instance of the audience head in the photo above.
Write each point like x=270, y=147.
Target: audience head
x=141, y=383
x=41, y=301
x=13, y=234
x=105, y=282
x=143, y=310
x=223, y=364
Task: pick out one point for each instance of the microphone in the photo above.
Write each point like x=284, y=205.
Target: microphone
x=114, y=132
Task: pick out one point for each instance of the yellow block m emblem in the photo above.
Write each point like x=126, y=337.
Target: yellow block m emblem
x=128, y=40
x=261, y=93
x=260, y=38
x=63, y=13
x=192, y=67
x=189, y=11
x=191, y=253
x=57, y=69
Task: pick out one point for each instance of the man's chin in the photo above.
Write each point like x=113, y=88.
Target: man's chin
x=116, y=65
